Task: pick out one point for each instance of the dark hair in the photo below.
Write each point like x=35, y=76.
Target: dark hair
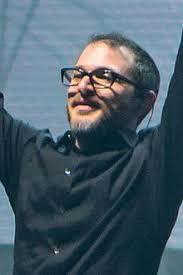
x=144, y=70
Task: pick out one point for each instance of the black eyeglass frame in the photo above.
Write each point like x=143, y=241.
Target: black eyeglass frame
x=89, y=74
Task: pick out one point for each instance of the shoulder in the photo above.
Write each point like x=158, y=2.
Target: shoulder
x=148, y=134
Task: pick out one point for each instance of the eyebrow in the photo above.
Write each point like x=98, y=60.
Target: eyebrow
x=98, y=68
x=79, y=67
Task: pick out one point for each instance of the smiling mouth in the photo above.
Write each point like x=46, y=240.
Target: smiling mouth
x=85, y=106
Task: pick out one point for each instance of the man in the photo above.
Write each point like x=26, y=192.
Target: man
x=102, y=199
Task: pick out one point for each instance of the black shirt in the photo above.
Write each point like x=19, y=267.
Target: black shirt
x=106, y=212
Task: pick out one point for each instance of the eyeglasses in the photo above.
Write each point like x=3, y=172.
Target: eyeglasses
x=99, y=78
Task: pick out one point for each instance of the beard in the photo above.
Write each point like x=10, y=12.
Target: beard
x=87, y=128
x=117, y=114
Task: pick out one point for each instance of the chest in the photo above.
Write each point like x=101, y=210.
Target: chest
x=76, y=191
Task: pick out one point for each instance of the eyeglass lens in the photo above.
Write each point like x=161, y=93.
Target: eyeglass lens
x=102, y=77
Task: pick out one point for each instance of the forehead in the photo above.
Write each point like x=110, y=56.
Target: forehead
x=99, y=54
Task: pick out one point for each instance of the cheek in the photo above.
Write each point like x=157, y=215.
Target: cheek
x=105, y=95
x=71, y=92
x=122, y=103
x=69, y=108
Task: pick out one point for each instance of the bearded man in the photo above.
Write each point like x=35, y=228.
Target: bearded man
x=103, y=199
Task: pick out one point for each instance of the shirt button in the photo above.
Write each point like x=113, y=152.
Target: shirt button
x=56, y=251
x=67, y=171
x=61, y=210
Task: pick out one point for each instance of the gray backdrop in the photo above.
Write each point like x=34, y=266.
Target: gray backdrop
x=37, y=38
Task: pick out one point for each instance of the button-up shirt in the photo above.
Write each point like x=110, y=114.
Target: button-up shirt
x=105, y=212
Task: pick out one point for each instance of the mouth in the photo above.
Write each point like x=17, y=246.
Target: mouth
x=85, y=105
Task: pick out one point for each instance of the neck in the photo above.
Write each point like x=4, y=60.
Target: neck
x=88, y=143
x=98, y=139
x=97, y=143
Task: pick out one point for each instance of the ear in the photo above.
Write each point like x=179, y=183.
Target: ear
x=148, y=101
x=151, y=95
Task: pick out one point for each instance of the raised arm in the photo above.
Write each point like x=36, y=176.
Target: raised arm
x=13, y=136
x=172, y=124
x=167, y=160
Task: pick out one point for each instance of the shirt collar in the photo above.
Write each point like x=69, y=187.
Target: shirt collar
x=125, y=136
x=129, y=136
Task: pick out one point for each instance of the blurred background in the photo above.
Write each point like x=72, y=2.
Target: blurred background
x=37, y=38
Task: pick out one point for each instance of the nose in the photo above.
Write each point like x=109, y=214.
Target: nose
x=85, y=86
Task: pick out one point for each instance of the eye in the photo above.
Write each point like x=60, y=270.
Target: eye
x=120, y=80
x=71, y=77
x=103, y=74
x=75, y=75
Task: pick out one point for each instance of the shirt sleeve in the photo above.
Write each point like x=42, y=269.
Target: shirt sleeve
x=171, y=128
x=14, y=135
x=167, y=168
